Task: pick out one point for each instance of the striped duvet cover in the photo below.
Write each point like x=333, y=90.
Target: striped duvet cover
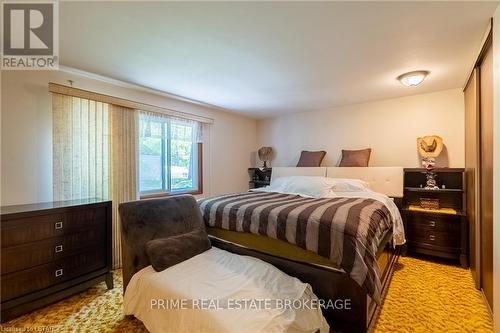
x=347, y=231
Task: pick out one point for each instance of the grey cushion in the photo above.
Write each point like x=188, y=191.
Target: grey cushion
x=145, y=220
x=166, y=252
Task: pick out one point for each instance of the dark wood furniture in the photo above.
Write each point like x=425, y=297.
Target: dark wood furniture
x=52, y=250
x=442, y=233
x=259, y=177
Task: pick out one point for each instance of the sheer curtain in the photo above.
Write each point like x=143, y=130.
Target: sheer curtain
x=95, y=154
x=156, y=116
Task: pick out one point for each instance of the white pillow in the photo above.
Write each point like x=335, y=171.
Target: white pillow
x=349, y=185
x=303, y=185
x=279, y=182
x=315, y=186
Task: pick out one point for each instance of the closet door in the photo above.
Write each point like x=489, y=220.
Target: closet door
x=472, y=155
x=486, y=174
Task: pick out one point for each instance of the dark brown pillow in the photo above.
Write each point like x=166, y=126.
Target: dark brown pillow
x=166, y=252
x=355, y=158
x=311, y=158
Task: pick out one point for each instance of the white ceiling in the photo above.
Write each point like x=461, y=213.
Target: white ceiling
x=264, y=59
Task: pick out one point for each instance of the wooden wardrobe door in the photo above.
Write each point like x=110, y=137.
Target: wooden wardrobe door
x=486, y=172
x=471, y=96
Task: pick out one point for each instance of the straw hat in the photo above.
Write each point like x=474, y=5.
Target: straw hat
x=430, y=146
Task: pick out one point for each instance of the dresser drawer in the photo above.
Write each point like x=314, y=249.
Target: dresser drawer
x=32, y=254
x=29, y=229
x=79, y=219
x=34, y=279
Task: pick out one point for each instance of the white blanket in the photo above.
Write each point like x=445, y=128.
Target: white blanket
x=218, y=291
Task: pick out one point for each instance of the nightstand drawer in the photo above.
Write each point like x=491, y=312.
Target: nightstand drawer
x=442, y=231
x=445, y=224
x=435, y=238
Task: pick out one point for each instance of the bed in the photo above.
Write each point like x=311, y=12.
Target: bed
x=299, y=233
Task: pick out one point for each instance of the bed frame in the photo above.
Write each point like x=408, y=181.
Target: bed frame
x=140, y=224
x=333, y=284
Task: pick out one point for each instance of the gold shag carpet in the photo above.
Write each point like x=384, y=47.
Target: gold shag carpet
x=424, y=296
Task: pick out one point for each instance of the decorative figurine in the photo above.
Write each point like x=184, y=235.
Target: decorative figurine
x=429, y=147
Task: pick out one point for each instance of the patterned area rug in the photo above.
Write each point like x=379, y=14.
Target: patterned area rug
x=424, y=296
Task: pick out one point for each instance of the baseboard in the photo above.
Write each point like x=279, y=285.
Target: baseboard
x=485, y=301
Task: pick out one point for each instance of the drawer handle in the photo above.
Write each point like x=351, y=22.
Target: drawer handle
x=58, y=225
x=59, y=272
x=432, y=237
x=59, y=248
x=432, y=223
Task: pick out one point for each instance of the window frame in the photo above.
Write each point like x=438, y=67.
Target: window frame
x=166, y=171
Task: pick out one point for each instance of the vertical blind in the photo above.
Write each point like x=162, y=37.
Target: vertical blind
x=95, y=155
x=80, y=148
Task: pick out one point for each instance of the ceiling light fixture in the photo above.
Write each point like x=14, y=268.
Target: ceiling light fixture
x=412, y=79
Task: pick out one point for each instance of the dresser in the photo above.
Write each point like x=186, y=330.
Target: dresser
x=443, y=231
x=52, y=250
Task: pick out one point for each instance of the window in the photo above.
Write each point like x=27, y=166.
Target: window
x=168, y=155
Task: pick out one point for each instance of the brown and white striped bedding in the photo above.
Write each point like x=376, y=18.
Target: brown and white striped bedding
x=348, y=231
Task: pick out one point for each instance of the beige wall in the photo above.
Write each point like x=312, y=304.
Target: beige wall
x=389, y=127
x=26, y=135
x=496, y=163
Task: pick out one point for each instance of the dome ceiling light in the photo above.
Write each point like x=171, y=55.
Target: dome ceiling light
x=412, y=79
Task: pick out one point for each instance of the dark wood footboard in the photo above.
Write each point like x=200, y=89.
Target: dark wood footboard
x=354, y=311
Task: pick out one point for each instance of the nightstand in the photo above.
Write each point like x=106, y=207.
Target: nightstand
x=259, y=177
x=436, y=232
